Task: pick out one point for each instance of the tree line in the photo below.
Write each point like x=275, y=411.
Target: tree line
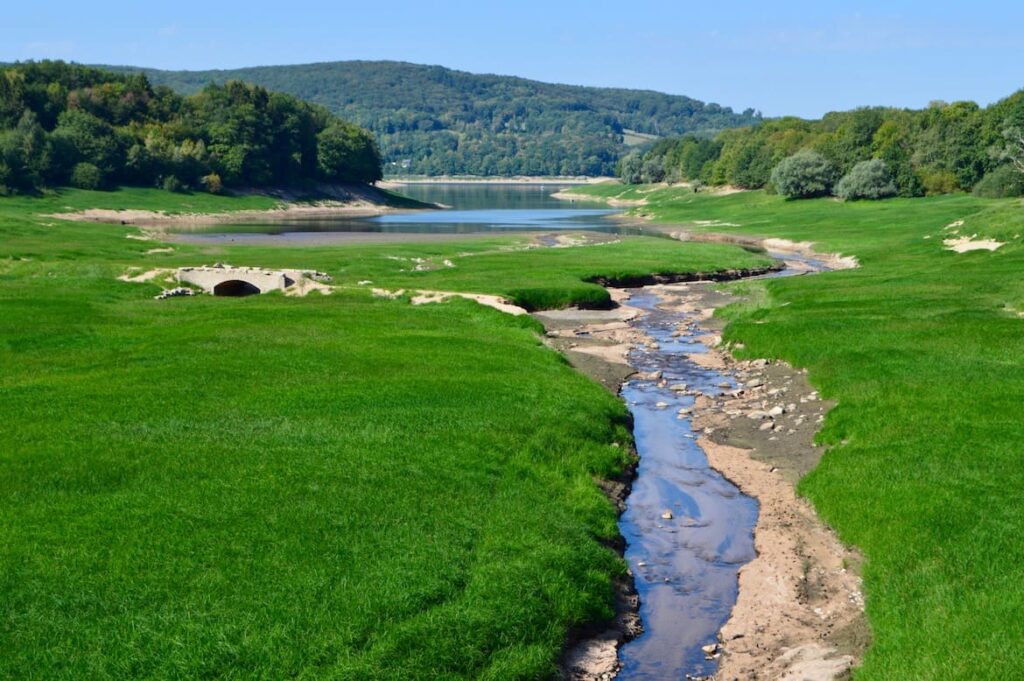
x=864, y=153
x=431, y=120
x=66, y=124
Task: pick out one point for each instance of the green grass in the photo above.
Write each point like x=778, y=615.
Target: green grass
x=323, y=487
x=925, y=468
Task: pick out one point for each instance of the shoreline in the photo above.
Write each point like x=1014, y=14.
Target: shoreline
x=800, y=607
x=284, y=213
x=578, y=180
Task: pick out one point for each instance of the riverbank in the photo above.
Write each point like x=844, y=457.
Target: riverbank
x=920, y=479
x=799, y=609
x=271, y=205
x=281, y=213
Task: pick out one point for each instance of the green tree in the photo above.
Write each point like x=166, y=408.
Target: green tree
x=87, y=176
x=867, y=180
x=631, y=168
x=346, y=153
x=805, y=174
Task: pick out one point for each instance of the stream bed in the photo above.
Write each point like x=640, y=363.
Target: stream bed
x=688, y=530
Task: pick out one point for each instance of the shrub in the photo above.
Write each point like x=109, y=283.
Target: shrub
x=939, y=182
x=86, y=176
x=212, y=183
x=1003, y=182
x=867, y=180
x=631, y=169
x=803, y=175
x=653, y=170
x=172, y=184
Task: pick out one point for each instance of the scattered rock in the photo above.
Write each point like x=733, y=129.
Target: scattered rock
x=176, y=292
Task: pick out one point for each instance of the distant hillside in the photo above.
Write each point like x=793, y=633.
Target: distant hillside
x=433, y=121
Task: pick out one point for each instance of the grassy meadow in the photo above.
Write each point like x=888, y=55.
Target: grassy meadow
x=922, y=348
x=332, y=486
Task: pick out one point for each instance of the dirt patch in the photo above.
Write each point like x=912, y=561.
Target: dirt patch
x=966, y=244
x=613, y=201
x=285, y=212
x=799, y=598
x=497, y=302
x=596, y=342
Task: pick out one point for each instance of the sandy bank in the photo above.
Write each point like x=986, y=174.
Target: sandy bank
x=799, y=613
x=285, y=212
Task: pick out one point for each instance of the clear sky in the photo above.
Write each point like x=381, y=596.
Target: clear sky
x=802, y=58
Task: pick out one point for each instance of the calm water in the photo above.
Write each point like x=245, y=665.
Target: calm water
x=685, y=568
x=475, y=209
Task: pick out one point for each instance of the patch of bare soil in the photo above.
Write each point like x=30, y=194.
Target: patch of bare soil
x=596, y=342
x=288, y=211
x=496, y=302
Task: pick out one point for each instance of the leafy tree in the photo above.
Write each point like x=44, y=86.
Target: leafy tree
x=212, y=183
x=805, y=174
x=631, y=169
x=867, y=180
x=1003, y=182
x=1013, y=151
x=653, y=170
x=86, y=176
x=752, y=166
x=347, y=154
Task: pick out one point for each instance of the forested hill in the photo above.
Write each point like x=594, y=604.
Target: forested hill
x=68, y=124
x=432, y=120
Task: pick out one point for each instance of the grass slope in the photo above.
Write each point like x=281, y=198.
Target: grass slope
x=326, y=487
x=922, y=348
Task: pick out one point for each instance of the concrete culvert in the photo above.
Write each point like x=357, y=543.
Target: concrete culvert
x=235, y=288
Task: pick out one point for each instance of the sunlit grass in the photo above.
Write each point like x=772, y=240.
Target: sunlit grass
x=332, y=486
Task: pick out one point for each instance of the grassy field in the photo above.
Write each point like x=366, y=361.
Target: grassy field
x=924, y=350
x=324, y=487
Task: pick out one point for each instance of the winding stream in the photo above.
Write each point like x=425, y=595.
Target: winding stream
x=685, y=566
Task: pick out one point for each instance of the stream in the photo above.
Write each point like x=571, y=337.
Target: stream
x=688, y=530
x=685, y=567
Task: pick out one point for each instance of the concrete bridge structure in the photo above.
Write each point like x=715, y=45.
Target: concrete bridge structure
x=224, y=280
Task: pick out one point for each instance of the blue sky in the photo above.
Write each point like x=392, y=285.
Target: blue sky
x=802, y=58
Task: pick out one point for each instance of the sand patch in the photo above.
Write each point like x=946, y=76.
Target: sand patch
x=966, y=244
x=835, y=261
x=795, y=593
x=496, y=302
